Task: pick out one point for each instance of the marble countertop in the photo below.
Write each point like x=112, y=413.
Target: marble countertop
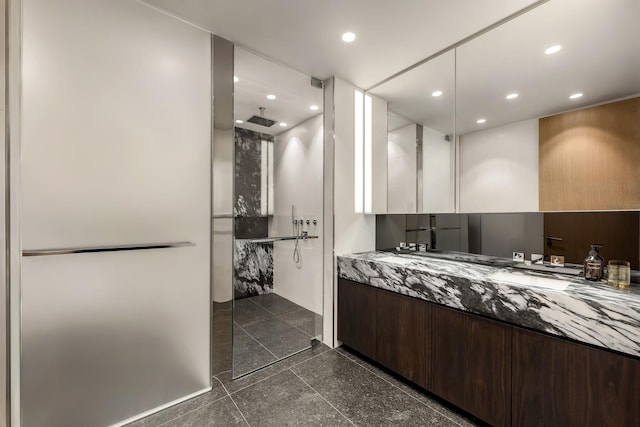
x=589, y=312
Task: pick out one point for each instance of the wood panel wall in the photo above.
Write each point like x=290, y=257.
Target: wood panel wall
x=590, y=158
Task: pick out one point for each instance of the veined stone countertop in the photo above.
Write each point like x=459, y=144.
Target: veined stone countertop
x=590, y=312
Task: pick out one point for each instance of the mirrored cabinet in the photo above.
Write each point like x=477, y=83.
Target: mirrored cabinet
x=537, y=114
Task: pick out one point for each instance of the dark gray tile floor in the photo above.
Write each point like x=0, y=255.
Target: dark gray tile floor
x=269, y=327
x=317, y=387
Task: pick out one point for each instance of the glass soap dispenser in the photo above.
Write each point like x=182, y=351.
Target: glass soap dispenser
x=593, y=264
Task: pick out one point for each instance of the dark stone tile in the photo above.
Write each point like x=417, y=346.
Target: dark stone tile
x=234, y=385
x=217, y=392
x=279, y=337
x=305, y=320
x=247, y=312
x=251, y=227
x=222, y=354
x=248, y=354
x=275, y=303
x=411, y=389
x=362, y=396
x=220, y=413
x=285, y=400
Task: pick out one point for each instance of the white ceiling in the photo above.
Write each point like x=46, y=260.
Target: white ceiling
x=600, y=58
x=305, y=35
x=259, y=77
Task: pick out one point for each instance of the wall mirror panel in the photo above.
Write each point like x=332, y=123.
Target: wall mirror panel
x=568, y=234
x=278, y=194
x=563, y=55
x=420, y=106
x=529, y=135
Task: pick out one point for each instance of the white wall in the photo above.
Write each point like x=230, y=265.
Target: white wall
x=436, y=171
x=402, y=170
x=116, y=149
x=298, y=180
x=352, y=232
x=499, y=169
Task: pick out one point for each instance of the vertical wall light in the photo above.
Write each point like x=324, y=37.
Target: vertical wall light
x=368, y=154
x=358, y=134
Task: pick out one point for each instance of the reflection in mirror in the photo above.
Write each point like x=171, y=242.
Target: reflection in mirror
x=420, y=134
x=278, y=188
x=568, y=234
x=560, y=56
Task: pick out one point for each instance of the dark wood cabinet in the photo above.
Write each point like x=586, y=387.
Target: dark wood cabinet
x=403, y=336
x=357, y=316
x=502, y=374
x=561, y=383
x=472, y=364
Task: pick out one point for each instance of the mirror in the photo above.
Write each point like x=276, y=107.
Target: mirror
x=420, y=106
x=568, y=234
x=563, y=55
x=278, y=193
x=505, y=82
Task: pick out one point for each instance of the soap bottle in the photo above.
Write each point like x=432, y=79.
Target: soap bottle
x=593, y=264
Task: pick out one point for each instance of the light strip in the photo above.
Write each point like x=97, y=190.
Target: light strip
x=358, y=169
x=368, y=154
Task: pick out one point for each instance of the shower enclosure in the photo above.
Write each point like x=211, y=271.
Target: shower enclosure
x=277, y=208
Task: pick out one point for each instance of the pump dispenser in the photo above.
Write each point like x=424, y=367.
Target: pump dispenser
x=593, y=264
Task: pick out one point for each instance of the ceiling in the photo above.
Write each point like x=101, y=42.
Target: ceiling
x=258, y=77
x=306, y=36
x=600, y=58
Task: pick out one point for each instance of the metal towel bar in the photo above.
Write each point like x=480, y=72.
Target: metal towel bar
x=278, y=239
x=115, y=248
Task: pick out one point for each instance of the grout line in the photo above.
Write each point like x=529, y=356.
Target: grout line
x=357, y=362
x=189, y=412
x=279, y=372
x=322, y=397
x=256, y=340
x=238, y=408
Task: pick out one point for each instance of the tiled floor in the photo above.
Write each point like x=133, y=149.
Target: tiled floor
x=269, y=327
x=318, y=387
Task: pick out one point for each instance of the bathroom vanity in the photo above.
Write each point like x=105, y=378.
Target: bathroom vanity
x=461, y=327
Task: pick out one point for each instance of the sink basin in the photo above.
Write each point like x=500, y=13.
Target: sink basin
x=395, y=260
x=529, y=281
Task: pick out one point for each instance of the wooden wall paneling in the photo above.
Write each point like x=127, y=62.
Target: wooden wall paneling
x=590, y=159
x=617, y=232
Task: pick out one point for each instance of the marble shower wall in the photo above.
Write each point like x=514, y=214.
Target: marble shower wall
x=253, y=263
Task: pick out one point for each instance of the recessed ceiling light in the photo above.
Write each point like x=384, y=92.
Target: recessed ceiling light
x=437, y=93
x=313, y=107
x=235, y=79
x=553, y=49
x=481, y=121
x=576, y=96
x=239, y=121
x=512, y=96
x=348, y=37
x=271, y=97
x=283, y=124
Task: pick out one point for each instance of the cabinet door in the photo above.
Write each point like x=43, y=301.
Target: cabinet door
x=472, y=364
x=357, y=316
x=403, y=339
x=560, y=383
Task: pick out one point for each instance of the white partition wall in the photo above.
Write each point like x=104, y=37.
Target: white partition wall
x=298, y=181
x=116, y=150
